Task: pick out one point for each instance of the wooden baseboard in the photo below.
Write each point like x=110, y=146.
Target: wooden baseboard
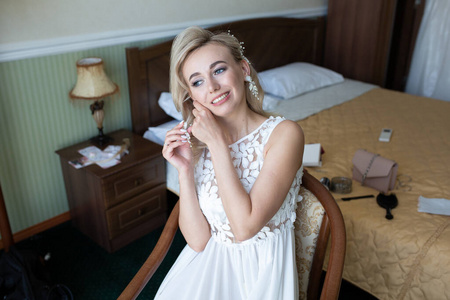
x=38, y=228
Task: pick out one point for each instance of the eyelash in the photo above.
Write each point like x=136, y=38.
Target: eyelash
x=216, y=72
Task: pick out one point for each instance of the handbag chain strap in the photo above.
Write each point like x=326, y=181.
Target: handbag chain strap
x=368, y=168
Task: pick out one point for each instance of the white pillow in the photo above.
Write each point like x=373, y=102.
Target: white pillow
x=297, y=78
x=158, y=134
x=165, y=101
x=270, y=102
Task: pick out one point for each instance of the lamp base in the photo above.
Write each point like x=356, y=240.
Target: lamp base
x=101, y=139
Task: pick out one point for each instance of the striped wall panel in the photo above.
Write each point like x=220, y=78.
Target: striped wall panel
x=37, y=118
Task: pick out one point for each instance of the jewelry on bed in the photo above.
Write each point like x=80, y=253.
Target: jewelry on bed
x=252, y=86
x=403, y=181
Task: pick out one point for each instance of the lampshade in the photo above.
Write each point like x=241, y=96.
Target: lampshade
x=92, y=82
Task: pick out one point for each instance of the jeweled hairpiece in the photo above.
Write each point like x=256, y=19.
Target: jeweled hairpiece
x=251, y=83
x=241, y=47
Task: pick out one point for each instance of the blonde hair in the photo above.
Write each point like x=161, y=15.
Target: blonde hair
x=183, y=45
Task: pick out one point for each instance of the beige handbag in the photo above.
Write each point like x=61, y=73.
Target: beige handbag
x=374, y=170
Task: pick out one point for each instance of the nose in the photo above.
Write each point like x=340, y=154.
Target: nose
x=213, y=85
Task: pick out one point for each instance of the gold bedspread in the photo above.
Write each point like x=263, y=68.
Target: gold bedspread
x=407, y=257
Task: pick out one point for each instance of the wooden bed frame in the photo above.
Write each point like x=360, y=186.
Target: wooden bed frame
x=291, y=40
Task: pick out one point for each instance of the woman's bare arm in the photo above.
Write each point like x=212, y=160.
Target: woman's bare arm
x=248, y=213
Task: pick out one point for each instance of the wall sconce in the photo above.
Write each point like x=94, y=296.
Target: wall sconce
x=93, y=84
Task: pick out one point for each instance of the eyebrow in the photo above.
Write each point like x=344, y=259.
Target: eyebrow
x=210, y=67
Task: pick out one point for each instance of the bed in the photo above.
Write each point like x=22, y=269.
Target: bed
x=404, y=258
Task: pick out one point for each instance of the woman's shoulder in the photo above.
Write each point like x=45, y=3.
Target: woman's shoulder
x=286, y=132
x=287, y=127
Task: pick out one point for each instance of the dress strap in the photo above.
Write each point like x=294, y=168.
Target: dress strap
x=271, y=124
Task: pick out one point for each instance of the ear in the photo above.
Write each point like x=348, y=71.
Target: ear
x=245, y=67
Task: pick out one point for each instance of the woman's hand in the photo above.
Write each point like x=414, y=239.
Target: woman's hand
x=176, y=148
x=192, y=222
x=205, y=126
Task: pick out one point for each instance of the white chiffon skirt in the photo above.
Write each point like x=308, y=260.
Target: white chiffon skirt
x=262, y=270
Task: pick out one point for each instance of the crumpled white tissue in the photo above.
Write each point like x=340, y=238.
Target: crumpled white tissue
x=439, y=206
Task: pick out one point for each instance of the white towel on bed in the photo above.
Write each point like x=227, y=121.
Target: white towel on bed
x=439, y=206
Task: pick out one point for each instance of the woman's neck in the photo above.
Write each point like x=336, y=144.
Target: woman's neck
x=241, y=125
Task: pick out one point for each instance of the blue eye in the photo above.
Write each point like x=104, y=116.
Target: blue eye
x=218, y=71
x=197, y=83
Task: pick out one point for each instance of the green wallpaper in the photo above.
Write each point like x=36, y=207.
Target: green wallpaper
x=37, y=118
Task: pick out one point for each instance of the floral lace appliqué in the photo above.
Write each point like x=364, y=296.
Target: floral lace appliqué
x=248, y=159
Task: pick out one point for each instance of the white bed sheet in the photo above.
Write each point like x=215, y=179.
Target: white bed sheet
x=295, y=109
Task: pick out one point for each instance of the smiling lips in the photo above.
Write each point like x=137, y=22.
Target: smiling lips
x=220, y=98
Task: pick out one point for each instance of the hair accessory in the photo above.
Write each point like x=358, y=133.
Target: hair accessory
x=252, y=86
x=241, y=47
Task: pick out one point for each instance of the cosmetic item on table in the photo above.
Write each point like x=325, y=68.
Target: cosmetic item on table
x=388, y=202
x=341, y=185
x=357, y=197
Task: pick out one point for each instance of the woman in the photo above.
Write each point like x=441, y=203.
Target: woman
x=239, y=173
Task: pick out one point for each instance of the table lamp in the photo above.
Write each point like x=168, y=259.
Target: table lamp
x=93, y=84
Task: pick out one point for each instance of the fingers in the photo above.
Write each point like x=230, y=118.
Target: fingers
x=176, y=137
x=176, y=129
x=199, y=109
x=198, y=105
x=203, y=123
x=171, y=146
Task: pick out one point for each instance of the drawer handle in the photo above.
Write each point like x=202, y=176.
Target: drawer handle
x=138, y=182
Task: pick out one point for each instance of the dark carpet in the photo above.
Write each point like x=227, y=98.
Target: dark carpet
x=92, y=273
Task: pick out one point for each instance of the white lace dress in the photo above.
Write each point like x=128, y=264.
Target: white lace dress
x=262, y=267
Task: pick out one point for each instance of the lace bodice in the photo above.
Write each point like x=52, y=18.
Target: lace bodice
x=248, y=159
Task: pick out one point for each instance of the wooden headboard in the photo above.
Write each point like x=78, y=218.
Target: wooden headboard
x=268, y=42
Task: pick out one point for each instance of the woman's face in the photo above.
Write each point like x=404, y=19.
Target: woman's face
x=215, y=79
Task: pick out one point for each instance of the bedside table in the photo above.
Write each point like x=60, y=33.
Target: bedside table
x=117, y=205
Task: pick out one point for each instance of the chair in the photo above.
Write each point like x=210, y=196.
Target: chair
x=332, y=225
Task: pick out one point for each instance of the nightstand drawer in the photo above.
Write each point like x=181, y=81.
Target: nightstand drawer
x=133, y=181
x=136, y=211
x=117, y=205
